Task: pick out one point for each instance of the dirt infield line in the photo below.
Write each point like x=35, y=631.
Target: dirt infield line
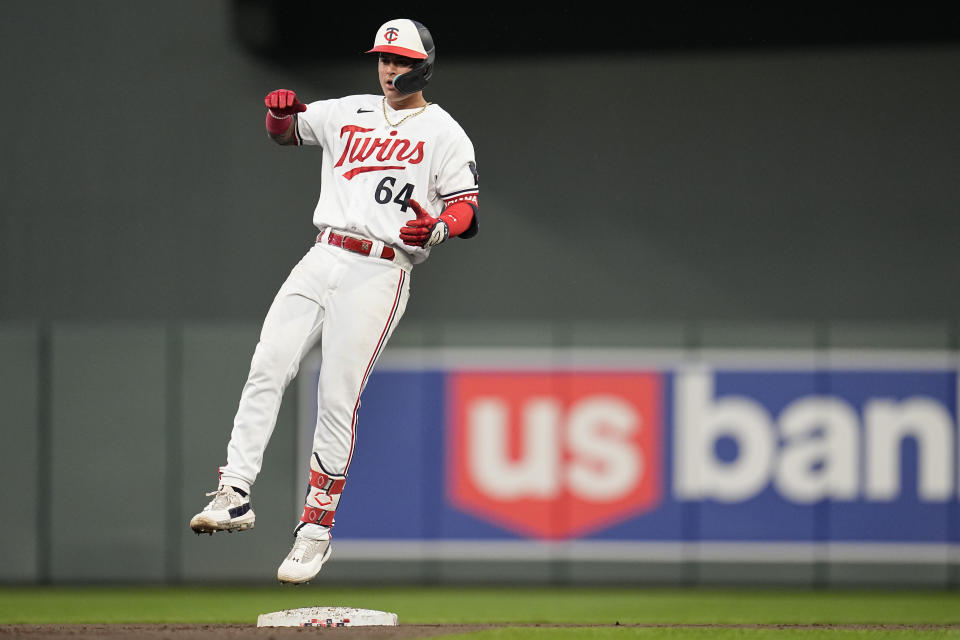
x=401, y=632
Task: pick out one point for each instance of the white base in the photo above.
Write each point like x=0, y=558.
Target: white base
x=327, y=617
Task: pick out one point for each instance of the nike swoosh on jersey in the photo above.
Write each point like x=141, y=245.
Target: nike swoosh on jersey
x=364, y=110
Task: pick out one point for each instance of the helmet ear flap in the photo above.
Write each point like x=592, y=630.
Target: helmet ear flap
x=418, y=77
x=415, y=79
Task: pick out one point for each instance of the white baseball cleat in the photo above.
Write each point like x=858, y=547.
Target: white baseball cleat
x=304, y=560
x=228, y=511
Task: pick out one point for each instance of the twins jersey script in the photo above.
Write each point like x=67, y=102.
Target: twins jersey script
x=370, y=168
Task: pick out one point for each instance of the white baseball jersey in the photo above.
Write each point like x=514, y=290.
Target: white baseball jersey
x=370, y=168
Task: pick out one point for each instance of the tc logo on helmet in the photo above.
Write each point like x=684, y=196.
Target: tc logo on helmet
x=391, y=34
x=554, y=455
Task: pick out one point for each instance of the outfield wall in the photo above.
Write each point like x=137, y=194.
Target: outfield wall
x=807, y=455
x=140, y=246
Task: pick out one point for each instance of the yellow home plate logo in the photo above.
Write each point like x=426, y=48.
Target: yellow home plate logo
x=327, y=617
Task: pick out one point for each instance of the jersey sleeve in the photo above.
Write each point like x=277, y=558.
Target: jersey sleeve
x=310, y=122
x=458, y=179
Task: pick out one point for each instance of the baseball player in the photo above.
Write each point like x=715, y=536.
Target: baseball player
x=398, y=177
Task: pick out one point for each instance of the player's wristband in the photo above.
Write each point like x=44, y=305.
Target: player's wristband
x=458, y=216
x=278, y=125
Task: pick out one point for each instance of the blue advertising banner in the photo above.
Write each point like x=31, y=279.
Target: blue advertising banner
x=458, y=447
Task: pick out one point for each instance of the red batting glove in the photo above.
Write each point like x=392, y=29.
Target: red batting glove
x=281, y=105
x=418, y=231
x=283, y=102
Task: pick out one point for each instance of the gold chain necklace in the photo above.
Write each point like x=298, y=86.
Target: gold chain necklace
x=383, y=104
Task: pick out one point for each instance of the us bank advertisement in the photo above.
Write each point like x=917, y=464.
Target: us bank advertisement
x=587, y=451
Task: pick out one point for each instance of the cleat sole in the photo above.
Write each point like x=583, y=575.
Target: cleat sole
x=202, y=525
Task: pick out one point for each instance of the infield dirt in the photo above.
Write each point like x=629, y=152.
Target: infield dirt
x=226, y=631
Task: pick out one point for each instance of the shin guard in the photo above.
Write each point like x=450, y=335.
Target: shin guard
x=323, y=495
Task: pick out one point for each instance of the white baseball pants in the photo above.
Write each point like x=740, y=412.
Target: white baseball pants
x=351, y=304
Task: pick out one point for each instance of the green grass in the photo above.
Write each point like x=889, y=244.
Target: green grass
x=418, y=605
x=606, y=633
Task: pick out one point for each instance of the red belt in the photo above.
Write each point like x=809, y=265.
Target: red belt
x=357, y=245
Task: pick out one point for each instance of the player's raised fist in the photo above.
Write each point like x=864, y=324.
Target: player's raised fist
x=283, y=102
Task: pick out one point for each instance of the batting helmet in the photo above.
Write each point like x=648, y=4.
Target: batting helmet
x=410, y=39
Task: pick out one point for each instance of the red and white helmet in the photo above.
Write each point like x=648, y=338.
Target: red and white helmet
x=410, y=39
